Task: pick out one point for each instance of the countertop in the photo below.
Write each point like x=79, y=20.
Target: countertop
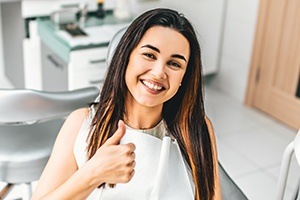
x=99, y=33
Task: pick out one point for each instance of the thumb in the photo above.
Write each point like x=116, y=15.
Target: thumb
x=117, y=136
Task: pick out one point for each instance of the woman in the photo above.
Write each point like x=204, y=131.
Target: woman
x=153, y=86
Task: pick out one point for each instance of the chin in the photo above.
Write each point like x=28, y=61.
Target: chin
x=150, y=104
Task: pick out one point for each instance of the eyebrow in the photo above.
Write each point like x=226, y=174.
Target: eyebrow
x=179, y=56
x=157, y=50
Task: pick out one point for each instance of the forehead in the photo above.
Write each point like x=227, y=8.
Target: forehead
x=166, y=40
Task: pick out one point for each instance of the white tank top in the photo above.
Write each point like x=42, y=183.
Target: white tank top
x=160, y=171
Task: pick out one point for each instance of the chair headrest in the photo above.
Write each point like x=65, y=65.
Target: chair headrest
x=25, y=106
x=113, y=44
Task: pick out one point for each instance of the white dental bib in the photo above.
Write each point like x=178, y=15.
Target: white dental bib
x=160, y=173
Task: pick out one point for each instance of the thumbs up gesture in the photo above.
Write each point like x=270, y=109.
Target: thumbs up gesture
x=114, y=162
x=117, y=136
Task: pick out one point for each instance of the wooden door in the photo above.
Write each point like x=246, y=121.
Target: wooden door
x=274, y=84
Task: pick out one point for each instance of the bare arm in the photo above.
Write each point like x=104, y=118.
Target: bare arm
x=62, y=179
x=61, y=165
x=218, y=194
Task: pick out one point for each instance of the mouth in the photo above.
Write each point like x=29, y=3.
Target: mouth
x=153, y=86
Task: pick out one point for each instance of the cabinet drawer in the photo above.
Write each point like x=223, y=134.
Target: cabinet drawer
x=87, y=77
x=87, y=58
x=54, y=71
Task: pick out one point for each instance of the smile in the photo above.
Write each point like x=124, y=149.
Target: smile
x=152, y=86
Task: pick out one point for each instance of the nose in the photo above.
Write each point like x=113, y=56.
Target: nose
x=159, y=71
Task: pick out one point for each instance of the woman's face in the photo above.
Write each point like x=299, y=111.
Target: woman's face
x=156, y=67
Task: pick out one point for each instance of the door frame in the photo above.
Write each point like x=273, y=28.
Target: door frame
x=259, y=62
x=257, y=52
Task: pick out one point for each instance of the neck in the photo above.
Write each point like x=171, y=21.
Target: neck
x=142, y=118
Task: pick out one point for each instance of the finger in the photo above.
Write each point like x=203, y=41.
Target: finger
x=126, y=178
x=117, y=136
x=127, y=149
x=133, y=155
x=131, y=146
x=132, y=174
x=133, y=164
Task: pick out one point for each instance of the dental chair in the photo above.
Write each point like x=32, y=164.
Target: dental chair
x=29, y=123
x=292, y=148
x=230, y=191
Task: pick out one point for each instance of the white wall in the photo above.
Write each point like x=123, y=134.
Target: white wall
x=4, y=82
x=1, y=46
x=207, y=19
x=240, y=27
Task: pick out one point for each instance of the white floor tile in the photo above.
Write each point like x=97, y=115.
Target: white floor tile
x=234, y=162
x=229, y=115
x=261, y=145
x=259, y=186
x=226, y=114
x=293, y=176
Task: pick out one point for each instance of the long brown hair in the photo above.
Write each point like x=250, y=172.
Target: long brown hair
x=184, y=113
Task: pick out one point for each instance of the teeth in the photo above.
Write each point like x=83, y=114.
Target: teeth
x=152, y=86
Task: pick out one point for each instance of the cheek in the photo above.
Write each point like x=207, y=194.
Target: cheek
x=130, y=69
x=175, y=82
x=133, y=71
x=134, y=64
x=178, y=79
x=129, y=75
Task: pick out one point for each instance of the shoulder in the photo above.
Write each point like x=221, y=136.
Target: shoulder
x=78, y=115
x=73, y=123
x=68, y=133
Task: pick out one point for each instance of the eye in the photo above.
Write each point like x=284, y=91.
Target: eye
x=174, y=64
x=149, y=55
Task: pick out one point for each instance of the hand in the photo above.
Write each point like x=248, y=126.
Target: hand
x=114, y=162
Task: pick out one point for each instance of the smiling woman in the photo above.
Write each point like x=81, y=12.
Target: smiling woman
x=155, y=71
x=148, y=136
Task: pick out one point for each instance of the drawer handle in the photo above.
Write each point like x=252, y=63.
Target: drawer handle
x=96, y=81
x=74, y=5
x=54, y=62
x=98, y=61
